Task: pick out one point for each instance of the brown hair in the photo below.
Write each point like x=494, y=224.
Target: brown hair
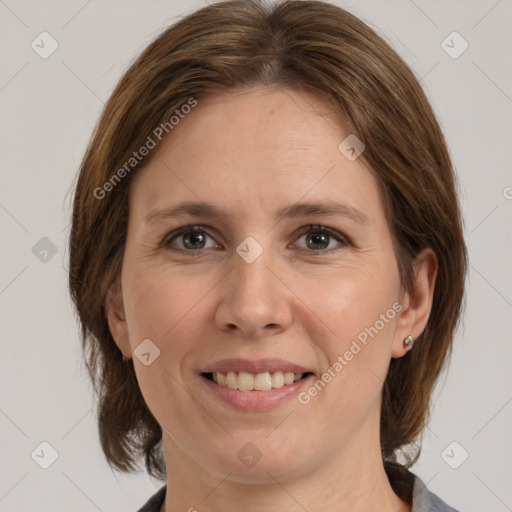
x=308, y=45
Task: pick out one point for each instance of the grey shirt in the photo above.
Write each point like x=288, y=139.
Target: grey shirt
x=422, y=500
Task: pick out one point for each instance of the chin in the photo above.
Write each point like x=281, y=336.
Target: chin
x=259, y=458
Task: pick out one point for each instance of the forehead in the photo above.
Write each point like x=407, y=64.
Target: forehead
x=255, y=151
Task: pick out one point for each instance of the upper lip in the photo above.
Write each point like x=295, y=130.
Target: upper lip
x=255, y=366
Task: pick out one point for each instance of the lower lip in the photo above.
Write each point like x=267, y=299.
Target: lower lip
x=257, y=400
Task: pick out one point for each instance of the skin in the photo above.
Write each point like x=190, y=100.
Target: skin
x=251, y=152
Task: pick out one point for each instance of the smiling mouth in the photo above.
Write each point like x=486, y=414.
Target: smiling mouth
x=245, y=381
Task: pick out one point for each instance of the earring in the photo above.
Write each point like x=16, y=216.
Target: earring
x=125, y=359
x=408, y=342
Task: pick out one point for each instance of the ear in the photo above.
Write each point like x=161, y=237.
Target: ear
x=114, y=306
x=416, y=304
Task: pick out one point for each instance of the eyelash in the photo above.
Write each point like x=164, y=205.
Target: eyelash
x=312, y=228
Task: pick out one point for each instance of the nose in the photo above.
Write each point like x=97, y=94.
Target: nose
x=255, y=302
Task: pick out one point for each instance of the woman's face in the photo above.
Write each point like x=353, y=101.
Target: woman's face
x=294, y=273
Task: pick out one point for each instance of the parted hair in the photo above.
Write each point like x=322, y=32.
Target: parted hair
x=296, y=44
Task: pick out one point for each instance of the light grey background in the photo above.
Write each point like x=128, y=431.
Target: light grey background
x=48, y=110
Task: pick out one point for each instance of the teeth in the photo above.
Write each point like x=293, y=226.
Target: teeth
x=277, y=380
x=245, y=381
x=263, y=382
x=231, y=380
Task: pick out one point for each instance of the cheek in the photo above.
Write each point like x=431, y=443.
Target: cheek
x=360, y=309
x=159, y=306
x=168, y=309
x=351, y=304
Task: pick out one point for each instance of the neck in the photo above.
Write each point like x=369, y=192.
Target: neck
x=352, y=480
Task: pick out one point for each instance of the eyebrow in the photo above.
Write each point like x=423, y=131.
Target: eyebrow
x=200, y=209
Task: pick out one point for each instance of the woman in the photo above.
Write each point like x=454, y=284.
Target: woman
x=268, y=263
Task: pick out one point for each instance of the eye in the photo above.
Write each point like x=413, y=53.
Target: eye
x=317, y=238
x=321, y=239
x=189, y=238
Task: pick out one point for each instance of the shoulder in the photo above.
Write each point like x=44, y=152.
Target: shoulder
x=424, y=500
x=155, y=502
